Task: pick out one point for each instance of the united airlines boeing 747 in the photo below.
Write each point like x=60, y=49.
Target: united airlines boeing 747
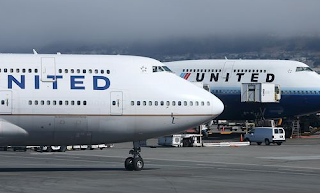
x=78, y=99
x=244, y=86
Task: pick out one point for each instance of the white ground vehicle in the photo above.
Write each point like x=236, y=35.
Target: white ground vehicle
x=266, y=134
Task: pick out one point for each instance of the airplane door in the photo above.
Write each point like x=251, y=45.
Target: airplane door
x=227, y=69
x=5, y=102
x=116, y=107
x=48, y=67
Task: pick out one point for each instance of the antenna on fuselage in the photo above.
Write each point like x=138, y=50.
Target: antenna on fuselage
x=34, y=51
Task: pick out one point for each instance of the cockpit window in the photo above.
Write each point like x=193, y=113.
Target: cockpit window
x=166, y=68
x=300, y=69
x=160, y=69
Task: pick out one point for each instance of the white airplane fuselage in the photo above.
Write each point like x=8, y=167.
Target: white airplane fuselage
x=300, y=86
x=77, y=99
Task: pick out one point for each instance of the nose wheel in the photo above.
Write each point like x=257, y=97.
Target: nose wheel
x=135, y=162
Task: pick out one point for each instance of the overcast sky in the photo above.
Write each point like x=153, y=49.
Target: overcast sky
x=39, y=23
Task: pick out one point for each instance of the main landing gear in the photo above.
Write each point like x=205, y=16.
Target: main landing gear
x=135, y=162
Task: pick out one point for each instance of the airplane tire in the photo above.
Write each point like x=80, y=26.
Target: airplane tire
x=128, y=164
x=138, y=163
x=267, y=142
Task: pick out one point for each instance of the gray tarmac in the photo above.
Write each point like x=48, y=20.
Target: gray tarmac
x=291, y=167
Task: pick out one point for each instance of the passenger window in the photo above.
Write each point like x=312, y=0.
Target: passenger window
x=60, y=70
x=185, y=103
x=72, y=102
x=84, y=103
x=197, y=103
x=17, y=70
x=30, y=102
x=11, y=70
x=102, y=71
x=72, y=70
x=5, y=70
x=42, y=102
x=173, y=103
x=2, y=102
x=144, y=103
x=66, y=102
x=36, y=70
x=138, y=103
x=179, y=103
x=162, y=103
x=108, y=71
x=65, y=70
x=60, y=102
x=150, y=103
x=78, y=70
x=96, y=71
x=84, y=71
x=36, y=102
x=54, y=102
x=156, y=103
x=48, y=102
x=208, y=103
x=168, y=103
x=90, y=71
x=202, y=103
x=78, y=102
x=132, y=103
x=191, y=103
x=30, y=70
x=114, y=103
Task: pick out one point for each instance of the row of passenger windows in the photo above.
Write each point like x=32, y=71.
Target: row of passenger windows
x=84, y=71
x=246, y=70
x=300, y=92
x=282, y=92
x=54, y=102
x=18, y=70
x=201, y=70
x=169, y=103
x=219, y=70
x=90, y=71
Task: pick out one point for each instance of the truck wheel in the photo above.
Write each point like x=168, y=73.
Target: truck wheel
x=63, y=148
x=278, y=143
x=49, y=149
x=267, y=142
x=259, y=143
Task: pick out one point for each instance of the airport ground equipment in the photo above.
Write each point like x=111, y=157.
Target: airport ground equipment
x=181, y=140
x=267, y=135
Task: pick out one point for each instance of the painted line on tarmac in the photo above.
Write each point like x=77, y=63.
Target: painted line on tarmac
x=58, y=159
x=266, y=171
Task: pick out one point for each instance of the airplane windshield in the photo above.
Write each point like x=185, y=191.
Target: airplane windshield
x=161, y=69
x=300, y=69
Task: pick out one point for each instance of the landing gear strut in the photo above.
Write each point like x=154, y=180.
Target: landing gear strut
x=135, y=162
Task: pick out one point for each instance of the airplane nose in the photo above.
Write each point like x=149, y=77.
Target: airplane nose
x=218, y=106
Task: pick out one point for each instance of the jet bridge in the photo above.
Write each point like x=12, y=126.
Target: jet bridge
x=260, y=93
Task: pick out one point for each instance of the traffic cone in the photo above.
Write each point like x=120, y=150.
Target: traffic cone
x=241, y=138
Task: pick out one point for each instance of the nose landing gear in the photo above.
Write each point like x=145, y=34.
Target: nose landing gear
x=135, y=162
